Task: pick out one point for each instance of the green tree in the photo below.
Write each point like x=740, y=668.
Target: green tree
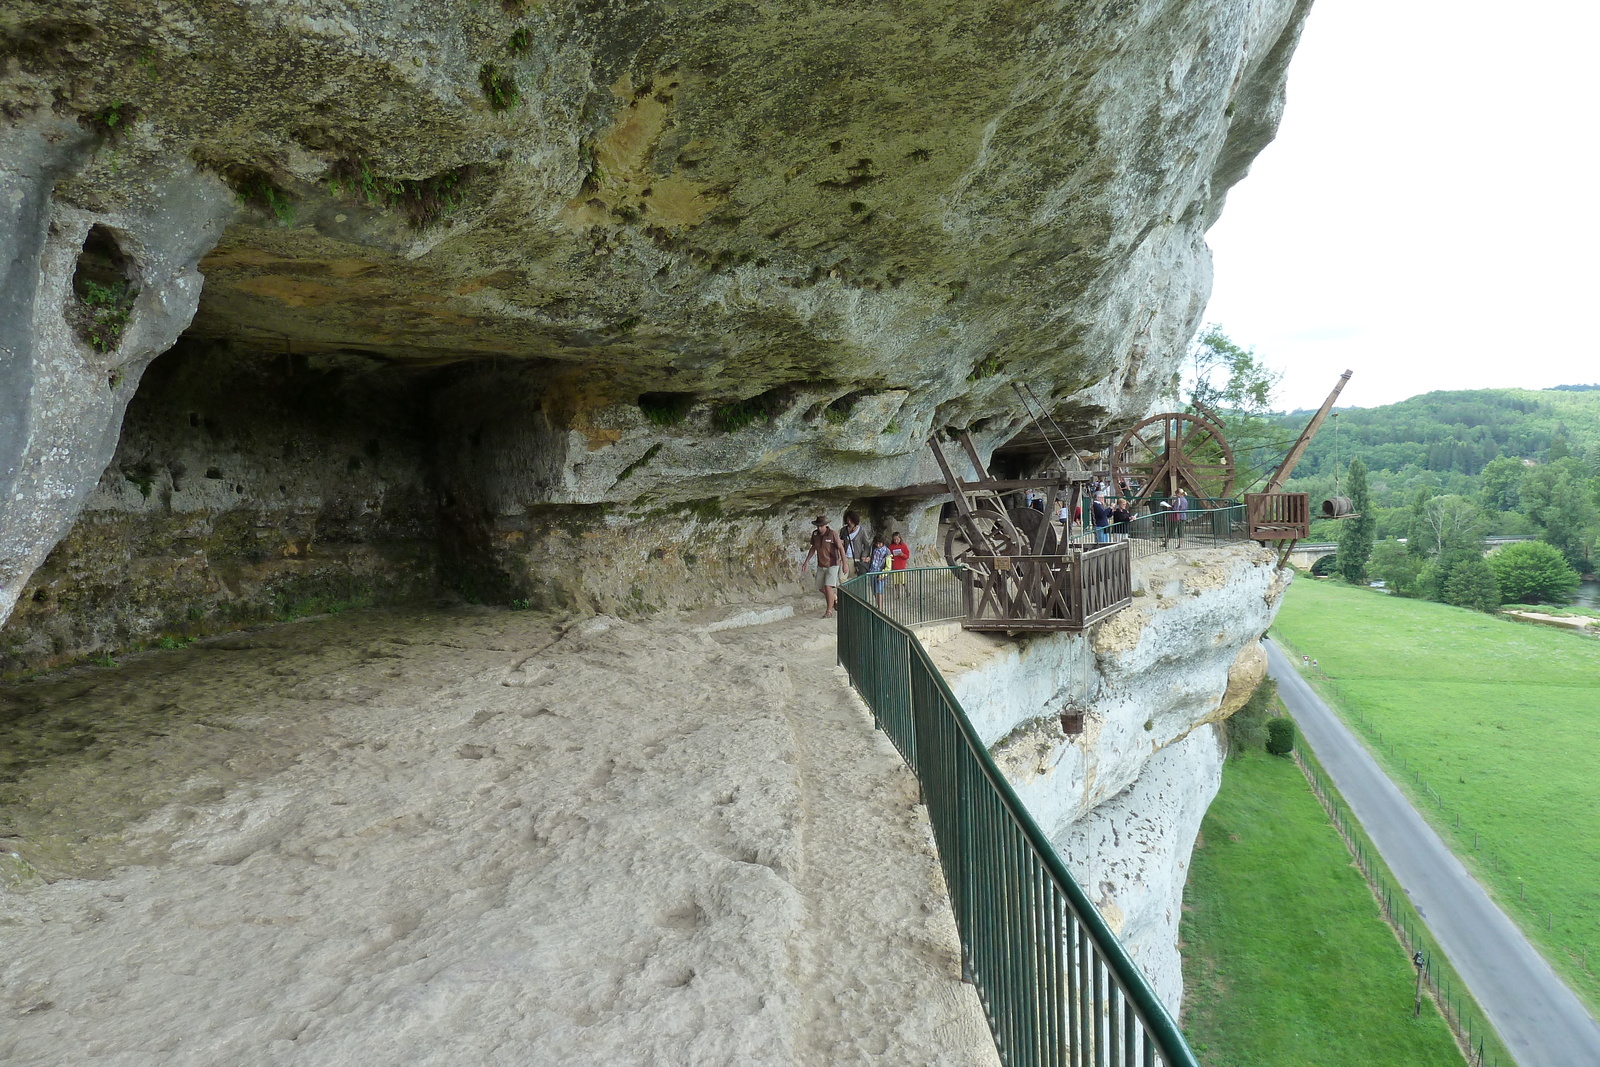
x=1531, y=571
x=1228, y=383
x=1434, y=581
x=1560, y=498
x=1451, y=521
x=1395, y=567
x=1472, y=585
x=1224, y=376
x=1502, y=478
x=1355, y=541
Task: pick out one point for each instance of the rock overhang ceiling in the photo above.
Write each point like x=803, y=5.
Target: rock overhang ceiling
x=707, y=196
x=777, y=243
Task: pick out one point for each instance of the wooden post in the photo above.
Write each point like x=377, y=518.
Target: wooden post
x=1300, y=446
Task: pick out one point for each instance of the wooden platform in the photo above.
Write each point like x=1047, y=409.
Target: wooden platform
x=1278, y=516
x=1070, y=592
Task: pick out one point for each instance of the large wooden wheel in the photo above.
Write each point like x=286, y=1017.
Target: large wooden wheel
x=1027, y=523
x=1173, y=451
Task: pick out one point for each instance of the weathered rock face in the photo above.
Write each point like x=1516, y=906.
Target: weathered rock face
x=243, y=488
x=656, y=254
x=1122, y=801
x=61, y=397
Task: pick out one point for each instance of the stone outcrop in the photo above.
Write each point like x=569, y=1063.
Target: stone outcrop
x=61, y=397
x=651, y=276
x=1123, y=800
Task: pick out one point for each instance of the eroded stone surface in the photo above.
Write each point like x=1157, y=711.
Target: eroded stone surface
x=472, y=836
x=62, y=399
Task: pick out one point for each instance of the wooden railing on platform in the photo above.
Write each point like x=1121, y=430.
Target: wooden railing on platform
x=1066, y=592
x=1278, y=516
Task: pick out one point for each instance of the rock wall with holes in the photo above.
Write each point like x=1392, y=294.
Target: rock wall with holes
x=692, y=267
x=246, y=486
x=1122, y=800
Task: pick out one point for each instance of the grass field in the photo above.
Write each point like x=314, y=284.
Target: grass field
x=1286, y=959
x=1501, y=720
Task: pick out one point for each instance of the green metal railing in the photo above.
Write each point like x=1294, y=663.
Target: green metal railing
x=915, y=595
x=1056, y=984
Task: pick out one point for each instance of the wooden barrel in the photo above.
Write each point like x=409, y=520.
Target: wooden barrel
x=1336, y=507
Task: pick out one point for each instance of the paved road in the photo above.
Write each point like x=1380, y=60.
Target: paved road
x=1539, y=1018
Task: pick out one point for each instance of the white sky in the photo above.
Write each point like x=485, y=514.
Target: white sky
x=1427, y=214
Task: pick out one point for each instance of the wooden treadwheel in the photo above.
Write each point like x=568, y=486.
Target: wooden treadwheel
x=1172, y=451
x=1036, y=535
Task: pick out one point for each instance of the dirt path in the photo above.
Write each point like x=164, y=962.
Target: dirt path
x=471, y=837
x=1541, y=1021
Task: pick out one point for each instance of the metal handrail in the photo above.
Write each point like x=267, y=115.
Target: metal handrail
x=1057, y=986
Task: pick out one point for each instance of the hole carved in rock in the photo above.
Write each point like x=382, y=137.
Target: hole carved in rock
x=104, y=287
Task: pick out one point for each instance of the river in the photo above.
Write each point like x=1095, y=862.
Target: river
x=1588, y=595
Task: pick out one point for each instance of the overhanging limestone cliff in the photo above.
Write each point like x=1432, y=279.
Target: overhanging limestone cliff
x=629, y=259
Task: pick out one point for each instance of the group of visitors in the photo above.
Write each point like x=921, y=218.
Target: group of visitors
x=1110, y=517
x=850, y=550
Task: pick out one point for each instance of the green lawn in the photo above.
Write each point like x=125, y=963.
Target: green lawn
x=1502, y=720
x=1286, y=958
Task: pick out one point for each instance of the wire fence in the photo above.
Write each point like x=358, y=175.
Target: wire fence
x=1477, y=1038
x=1509, y=886
x=1057, y=986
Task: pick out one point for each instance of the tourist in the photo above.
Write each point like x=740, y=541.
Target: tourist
x=830, y=555
x=1102, y=519
x=857, y=543
x=899, y=560
x=878, y=567
x=1180, y=512
x=1120, y=517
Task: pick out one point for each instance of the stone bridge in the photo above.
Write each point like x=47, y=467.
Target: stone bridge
x=1304, y=555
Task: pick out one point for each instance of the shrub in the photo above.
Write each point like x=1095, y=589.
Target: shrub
x=1280, y=735
x=986, y=367
x=424, y=201
x=763, y=407
x=1247, y=727
x=1472, y=585
x=101, y=312
x=499, y=87
x=1396, y=566
x=256, y=189
x=1532, y=571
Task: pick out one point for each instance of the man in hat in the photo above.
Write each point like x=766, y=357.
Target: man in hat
x=829, y=552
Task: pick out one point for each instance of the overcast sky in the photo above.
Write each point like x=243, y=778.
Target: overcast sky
x=1426, y=216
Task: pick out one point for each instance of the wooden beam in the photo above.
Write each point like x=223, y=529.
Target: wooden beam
x=1300, y=446
x=1004, y=485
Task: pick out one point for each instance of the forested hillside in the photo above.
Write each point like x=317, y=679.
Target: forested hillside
x=1456, y=432
x=1446, y=469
